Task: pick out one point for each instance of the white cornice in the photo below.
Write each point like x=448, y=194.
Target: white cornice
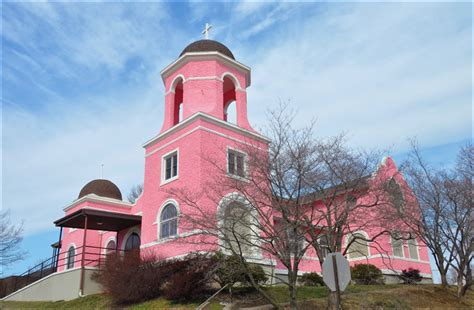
x=98, y=199
x=210, y=119
x=205, y=56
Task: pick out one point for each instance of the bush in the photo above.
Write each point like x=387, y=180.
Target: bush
x=230, y=271
x=312, y=279
x=189, y=278
x=258, y=274
x=411, y=276
x=366, y=274
x=132, y=279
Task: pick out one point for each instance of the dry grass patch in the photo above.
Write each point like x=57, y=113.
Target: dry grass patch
x=409, y=297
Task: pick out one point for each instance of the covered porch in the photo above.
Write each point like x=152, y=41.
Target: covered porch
x=81, y=260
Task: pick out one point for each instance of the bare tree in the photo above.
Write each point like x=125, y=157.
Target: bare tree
x=258, y=220
x=10, y=239
x=427, y=185
x=134, y=193
x=295, y=194
x=444, y=201
x=458, y=190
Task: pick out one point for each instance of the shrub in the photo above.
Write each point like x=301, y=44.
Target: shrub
x=258, y=274
x=230, y=271
x=130, y=278
x=312, y=279
x=411, y=276
x=366, y=274
x=189, y=278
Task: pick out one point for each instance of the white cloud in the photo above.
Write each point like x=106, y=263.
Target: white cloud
x=279, y=13
x=68, y=37
x=50, y=157
x=380, y=72
x=245, y=8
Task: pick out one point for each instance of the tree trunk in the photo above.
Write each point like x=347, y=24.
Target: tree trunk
x=293, y=300
x=332, y=301
x=462, y=290
x=444, y=279
x=292, y=278
x=461, y=286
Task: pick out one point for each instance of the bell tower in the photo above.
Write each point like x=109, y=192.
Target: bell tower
x=205, y=78
x=197, y=143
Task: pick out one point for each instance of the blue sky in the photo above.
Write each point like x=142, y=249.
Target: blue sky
x=81, y=85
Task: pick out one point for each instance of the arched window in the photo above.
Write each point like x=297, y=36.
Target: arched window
x=238, y=228
x=230, y=106
x=71, y=255
x=178, y=102
x=413, y=248
x=111, y=247
x=133, y=242
x=397, y=244
x=396, y=195
x=359, y=246
x=169, y=221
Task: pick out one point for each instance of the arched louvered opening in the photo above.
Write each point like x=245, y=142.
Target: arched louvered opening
x=229, y=100
x=178, y=102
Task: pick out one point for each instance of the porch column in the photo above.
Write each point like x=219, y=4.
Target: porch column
x=58, y=250
x=116, y=241
x=81, y=285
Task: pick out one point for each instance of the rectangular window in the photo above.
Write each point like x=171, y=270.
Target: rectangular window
x=171, y=166
x=236, y=163
x=397, y=245
x=413, y=248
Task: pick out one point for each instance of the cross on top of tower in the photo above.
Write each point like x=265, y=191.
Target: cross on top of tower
x=205, y=32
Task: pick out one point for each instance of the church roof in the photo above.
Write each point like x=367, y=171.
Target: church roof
x=207, y=46
x=101, y=187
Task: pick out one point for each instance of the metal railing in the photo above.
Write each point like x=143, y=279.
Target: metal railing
x=84, y=256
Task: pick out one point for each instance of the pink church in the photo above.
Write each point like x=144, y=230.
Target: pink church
x=199, y=87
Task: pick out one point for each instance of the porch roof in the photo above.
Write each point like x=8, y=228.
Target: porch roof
x=99, y=220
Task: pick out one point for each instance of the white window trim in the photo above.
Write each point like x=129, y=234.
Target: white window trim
x=228, y=199
x=163, y=167
x=174, y=238
x=390, y=257
x=158, y=219
x=366, y=236
x=111, y=238
x=234, y=176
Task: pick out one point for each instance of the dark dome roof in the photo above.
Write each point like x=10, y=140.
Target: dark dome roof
x=207, y=46
x=101, y=187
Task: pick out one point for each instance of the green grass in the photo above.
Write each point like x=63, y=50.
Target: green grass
x=88, y=302
x=355, y=297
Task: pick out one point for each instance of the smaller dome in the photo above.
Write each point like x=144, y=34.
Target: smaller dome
x=207, y=46
x=101, y=187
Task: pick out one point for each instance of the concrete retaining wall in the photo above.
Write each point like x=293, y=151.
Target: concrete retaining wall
x=57, y=286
